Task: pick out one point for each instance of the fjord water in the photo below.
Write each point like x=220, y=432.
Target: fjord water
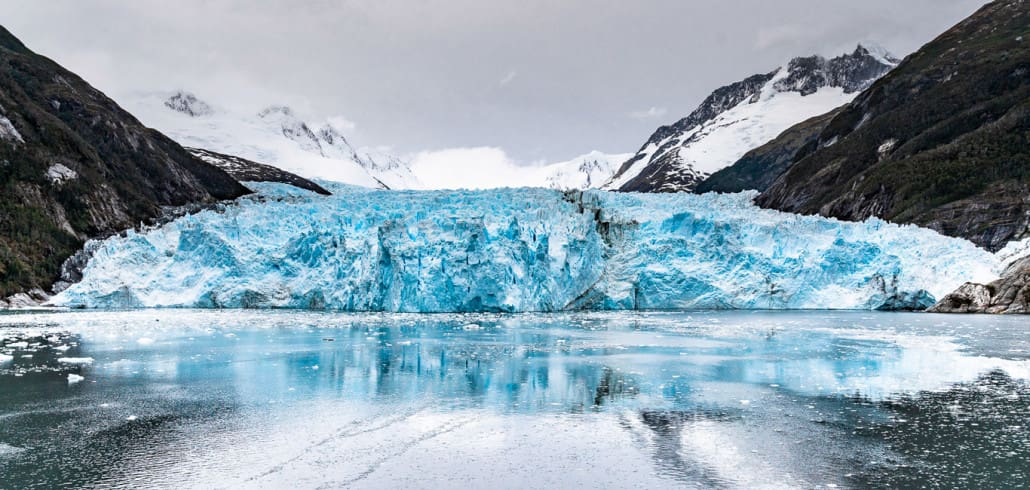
x=231, y=399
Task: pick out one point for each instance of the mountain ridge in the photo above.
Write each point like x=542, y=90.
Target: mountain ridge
x=743, y=115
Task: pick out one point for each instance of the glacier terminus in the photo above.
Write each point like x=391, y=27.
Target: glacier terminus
x=520, y=250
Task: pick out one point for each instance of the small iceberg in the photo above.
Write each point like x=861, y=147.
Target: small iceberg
x=75, y=360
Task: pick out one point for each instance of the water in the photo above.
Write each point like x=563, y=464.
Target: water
x=238, y=399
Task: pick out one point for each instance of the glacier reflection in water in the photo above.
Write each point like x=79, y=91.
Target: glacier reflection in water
x=269, y=399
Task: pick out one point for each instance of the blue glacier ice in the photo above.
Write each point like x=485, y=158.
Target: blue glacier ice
x=515, y=250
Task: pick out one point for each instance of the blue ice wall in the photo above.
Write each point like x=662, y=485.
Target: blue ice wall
x=520, y=250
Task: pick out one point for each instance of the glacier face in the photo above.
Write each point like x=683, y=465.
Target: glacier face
x=520, y=250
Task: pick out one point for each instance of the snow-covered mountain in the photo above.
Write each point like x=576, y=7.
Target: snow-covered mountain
x=588, y=171
x=278, y=136
x=275, y=135
x=490, y=168
x=744, y=115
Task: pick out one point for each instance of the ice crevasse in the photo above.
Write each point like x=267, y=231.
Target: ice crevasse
x=520, y=250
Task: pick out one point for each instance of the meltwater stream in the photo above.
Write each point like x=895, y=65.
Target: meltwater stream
x=240, y=399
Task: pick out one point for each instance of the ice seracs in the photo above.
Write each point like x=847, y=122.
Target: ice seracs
x=742, y=116
x=521, y=250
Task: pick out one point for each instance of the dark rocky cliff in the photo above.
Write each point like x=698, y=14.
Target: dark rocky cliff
x=74, y=166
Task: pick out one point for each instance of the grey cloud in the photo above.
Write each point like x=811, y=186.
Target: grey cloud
x=541, y=79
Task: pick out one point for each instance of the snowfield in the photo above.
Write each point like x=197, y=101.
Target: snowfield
x=521, y=250
x=274, y=135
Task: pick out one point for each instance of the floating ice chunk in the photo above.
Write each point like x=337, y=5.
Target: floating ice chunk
x=74, y=378
x=145, y=341
x=4, y=358
x=18, y=345
x=62, y=348
x=75, y=360
x=8, y=450
x=130, y=418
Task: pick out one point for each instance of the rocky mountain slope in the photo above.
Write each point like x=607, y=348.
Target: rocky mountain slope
x=245, y=170
x=275, y=135
x=742, y=116
x=74, y=165
x=942, y=141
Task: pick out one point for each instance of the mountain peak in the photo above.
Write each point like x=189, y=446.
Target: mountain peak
x=277, y=111
x=852, y=72
x=880, y=53
x=188, y=104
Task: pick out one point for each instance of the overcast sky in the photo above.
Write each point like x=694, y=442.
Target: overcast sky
x=536, y=79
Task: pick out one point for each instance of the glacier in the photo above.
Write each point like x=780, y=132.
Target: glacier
x=519, y=250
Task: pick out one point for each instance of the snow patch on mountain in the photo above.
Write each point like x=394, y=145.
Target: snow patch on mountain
x=188, y=104
x=58, y=174
x=8, y=131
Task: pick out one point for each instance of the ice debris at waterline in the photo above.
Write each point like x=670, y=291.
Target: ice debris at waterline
x=520, y=250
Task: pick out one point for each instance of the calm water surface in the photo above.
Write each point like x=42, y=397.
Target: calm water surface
x=240, y=399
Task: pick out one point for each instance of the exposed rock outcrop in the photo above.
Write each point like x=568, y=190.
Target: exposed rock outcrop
x=1008, y=294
